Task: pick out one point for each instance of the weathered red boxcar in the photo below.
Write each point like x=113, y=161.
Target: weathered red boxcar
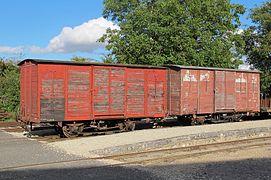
x=200, y=93
x=265, y=105
x=64, y=92
x=75, y=95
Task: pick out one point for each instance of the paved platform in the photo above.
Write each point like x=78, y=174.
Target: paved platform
x=159, y=138
x=18, y=150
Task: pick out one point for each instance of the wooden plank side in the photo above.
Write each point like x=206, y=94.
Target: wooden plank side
x=135, y=92
x=241, y=91
x=174, y=90
x=101, y=90
x=230, y=98
x=52, y=98
x=219, y=91
x=160, y=93
x=155, y=93
x=206, y=92
x=189, y=91
x=22, y=93
x=117, y=90
x=78, y=93
x=257, y=92
x=253, y=99
x=28, y=90
x=34, y=93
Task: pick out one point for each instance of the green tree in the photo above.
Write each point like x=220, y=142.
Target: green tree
x=186, y=32
x=81, y=59
x=258, y=43
x=108, y=59
x=9, y=86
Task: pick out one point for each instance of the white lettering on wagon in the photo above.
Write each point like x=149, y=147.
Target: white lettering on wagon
x=205, y=77
x=189, y=77
x=241, y=79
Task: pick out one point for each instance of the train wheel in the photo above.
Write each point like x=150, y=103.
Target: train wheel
x=121, y=126
x=130, y=126
x=70, y=131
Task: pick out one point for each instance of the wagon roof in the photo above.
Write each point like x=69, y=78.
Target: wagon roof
x=210, y=68
x=43, y=61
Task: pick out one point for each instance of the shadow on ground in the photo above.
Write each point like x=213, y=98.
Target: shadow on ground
x=250, y=169
x=43, y=132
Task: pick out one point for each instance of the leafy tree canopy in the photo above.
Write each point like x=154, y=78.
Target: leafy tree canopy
x=186, y=32
x=9, y=86
x=81, y=59
x=258, y=43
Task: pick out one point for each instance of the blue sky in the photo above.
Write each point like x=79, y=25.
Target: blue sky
x=59, y=29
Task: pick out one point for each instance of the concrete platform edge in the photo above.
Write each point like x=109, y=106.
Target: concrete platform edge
x=186, y=140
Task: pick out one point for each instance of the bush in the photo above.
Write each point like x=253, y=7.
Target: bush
x=9, y=86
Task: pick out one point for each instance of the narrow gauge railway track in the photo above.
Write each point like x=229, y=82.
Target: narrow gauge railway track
x=53, y=138
x=16, y=127
x=188, y=152
x=50, y=137
x=168, y=154
x=8, y=124
x=12, y=129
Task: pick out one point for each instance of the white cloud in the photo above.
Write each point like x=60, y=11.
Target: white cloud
x=82, y=38
x=11, y=50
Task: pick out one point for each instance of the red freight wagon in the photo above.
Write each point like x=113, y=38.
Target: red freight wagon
x=65, y=92
x=265, y=105
x=199, y=93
